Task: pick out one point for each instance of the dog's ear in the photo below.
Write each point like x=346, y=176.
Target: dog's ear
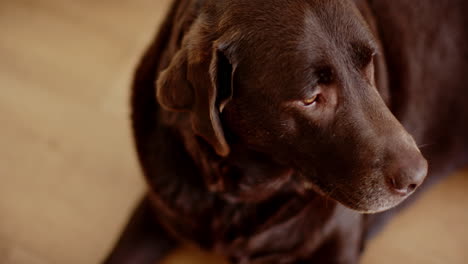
x=199, y=83
x=174, y=92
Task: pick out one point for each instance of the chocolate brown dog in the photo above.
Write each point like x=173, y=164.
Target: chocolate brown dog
x=266, y=127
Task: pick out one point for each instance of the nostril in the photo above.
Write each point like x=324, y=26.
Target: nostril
x=412, y=187
x=406, y=175
x=393, y=183
x=399, y=187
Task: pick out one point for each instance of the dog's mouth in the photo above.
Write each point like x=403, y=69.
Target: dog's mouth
x=366, y=183
x=370, y=198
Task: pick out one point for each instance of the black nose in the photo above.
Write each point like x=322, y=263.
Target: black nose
x=407, y=174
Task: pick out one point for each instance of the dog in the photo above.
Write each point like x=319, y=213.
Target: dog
x=288, y=131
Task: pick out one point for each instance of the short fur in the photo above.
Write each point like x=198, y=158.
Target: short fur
x=236, y=162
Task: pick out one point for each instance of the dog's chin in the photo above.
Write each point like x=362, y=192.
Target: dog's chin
x=371, y=202
x=372, y=205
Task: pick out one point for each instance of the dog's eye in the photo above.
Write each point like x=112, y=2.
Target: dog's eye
x=312, y=100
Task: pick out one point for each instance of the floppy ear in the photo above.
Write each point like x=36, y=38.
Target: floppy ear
x=202, y=87
x=173, y=90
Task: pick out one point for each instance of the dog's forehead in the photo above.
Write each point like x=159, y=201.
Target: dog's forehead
x=335, y=31
x=276, y=26
x=286, y=14
x=338, y=21
x=283, y=39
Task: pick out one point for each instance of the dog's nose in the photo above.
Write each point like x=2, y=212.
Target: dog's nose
x=407, y=175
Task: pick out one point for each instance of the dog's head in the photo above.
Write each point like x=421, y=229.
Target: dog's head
x=295, y=80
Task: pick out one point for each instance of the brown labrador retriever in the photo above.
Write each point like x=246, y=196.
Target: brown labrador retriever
x=274, y=124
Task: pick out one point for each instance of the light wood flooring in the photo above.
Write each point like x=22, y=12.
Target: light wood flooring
x=68, y=173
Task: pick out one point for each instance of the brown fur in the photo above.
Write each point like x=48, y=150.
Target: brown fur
x=237, y=162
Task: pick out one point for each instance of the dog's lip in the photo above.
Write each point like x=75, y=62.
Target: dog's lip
x=361, y=210
x=314, y=186
x=309, y=185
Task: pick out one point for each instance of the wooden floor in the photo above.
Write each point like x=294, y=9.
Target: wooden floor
x=68, y=174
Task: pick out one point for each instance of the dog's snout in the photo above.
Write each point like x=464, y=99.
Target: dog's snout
x=405, y=176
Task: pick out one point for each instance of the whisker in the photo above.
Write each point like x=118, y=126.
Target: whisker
x=425, y=145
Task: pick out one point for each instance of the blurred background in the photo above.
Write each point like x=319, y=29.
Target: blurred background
x=68, y=171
